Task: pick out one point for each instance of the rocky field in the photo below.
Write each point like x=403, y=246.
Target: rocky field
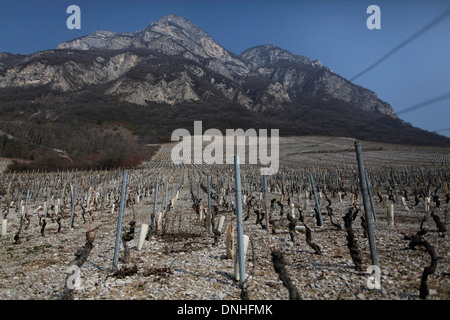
x=184, y=259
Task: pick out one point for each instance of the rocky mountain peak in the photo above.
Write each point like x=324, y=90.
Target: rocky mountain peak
x=268, y=55
x=176, y=26
x=175, y=35
x=171, y=35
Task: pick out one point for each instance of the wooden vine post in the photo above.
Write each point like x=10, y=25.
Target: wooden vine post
x=240, y=229
x=208, y=215
x=165, y=197
x=155, y=206
x=119, y=221
x=318, y=213
x=369, y=190
x=363, y=183
x=72, y=209
x=264, y=178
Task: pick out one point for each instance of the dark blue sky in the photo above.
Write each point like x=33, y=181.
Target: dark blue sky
x=334, y=32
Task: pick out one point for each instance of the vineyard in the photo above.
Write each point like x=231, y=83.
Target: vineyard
x=166, y=231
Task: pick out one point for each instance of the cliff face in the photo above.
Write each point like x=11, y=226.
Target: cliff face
x=67, y=71
x=173, y=61
x=301, y=76
x=172, y=35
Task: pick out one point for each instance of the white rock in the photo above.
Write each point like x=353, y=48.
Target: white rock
x=432, y=292
x=361, y=296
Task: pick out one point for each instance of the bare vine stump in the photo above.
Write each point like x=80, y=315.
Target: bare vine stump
x=417, y=240
x=352, y=244
x=440, y=226
x=280, y=267
x=81, y=256
x=17, y=235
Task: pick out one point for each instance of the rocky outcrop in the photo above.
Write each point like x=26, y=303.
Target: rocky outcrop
x=302, y=76
x=268, y=55
x=68, y=73
x=100, y=40
x=273, y=96
x=164, y=92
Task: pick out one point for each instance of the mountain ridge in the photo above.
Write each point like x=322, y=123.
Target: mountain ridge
x=174, y=35
x=171, y=73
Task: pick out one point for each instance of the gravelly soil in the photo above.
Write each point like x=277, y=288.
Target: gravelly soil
x=182, y=262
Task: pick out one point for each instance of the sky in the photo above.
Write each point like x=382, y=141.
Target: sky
x=334, y=32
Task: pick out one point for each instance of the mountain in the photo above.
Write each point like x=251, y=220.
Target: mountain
x=141, y=68
x=199, y=58
x=172, y=73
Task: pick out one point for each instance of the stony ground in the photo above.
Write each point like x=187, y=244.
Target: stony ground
x=4, y=164
x=182, y=262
